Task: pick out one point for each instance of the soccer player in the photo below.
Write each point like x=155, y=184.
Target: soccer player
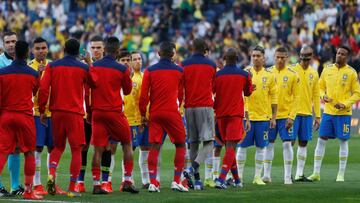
x=97, y=52
x=132, y=112
x=6, y=58
x=162, y=85
x=18, y=84
x=231, y=84
x=287, y=83
x=339, y=89
x=308, y=104
x=43, y=133
x=67, y=78
x=199, y=78
x=109, y=122
x=260, y=113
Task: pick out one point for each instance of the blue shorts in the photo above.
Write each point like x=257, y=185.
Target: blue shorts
x=302, y=128
x=140, y=139
x=258, y=134
x=285, y=135
x=44, y=135
x=334, y=126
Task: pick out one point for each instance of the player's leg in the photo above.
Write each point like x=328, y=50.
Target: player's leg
x=80, y=186
x=14, y=169
x=261, y=141
x=193, y=138
x=303, y=130
x=206, y=128
x=327, y=129
x=208, y=170
x=119, y=129
x=58, y=120
x=143, y=157
x=269, y=153
x=76, y=137
x=105, y=169
x=241, y=151
x=342, y=126
x=113, y=147
x=287, y=138
x=216, y=160
x=40, y=143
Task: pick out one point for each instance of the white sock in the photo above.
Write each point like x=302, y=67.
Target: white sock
x=122, y=171
x=187, y=159
x=301, y=159
x=240, y=160
x=259, y=161
x=319, y=155
x=158, y=175
x=48, y=162
x=269, y=156
x=216, y=167
x=288, y=154
x=208, y=166
x=37, y=177
x=343, y=154
x=112, y=166
x=144, y=169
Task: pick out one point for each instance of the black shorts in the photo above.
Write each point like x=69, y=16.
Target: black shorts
x=87, y=128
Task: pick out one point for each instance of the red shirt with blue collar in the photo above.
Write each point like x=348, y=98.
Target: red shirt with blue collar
x=18, y=84
x=108, y=77
x=199, y=79
x=67, y=78
x=231, y=85
x=162, y=85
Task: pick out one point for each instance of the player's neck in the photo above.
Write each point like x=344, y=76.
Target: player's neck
x=304, y=67
x=38, y=60
x=257, y=69
x=340, y=65
x=280, y=68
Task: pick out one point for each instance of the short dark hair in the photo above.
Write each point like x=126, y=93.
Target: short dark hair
x=72, y=47
x=123, y=53
x=259, y=48
x=96, y=38
x=9, y=33
x=231, y=56
x=21, y=50
x=346, y=48
x=134, y=52
x=112, y=45
x=199, y=45
x=167, y=49
x=281, y=50
x=39, y=40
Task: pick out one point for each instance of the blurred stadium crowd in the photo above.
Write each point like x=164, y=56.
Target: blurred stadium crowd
x=142, y=24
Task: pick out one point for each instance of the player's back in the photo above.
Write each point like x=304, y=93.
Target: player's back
x=231, y=84
x=67, y=78
x=18, y=83
x=199, y=75
x=109, y=77
x=163, y=80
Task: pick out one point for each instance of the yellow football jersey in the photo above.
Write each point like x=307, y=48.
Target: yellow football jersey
x=258, y=104
x=35, y=65
x=342, y=86
x=131, y=101
x=287, y=83
x=308, y=91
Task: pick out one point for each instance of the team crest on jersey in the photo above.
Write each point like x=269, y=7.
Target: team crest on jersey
x=285, y=79
x=264, y=80
x=134, y=84
x=311, y=76
x=345, y=77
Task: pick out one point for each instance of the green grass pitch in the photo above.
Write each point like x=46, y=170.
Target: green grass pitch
x=327, y=190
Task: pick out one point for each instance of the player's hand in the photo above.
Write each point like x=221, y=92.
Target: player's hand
x=89, y=117
x=42, y=66
x=289, y=123
x=316, y=123
x=272, y=123
x=144, y=123
x=340, y=106
x=254, y=87
x=87, y=58
x=43, y=119
x=247, y=126
x=327, y=99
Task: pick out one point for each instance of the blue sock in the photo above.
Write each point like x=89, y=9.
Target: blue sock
x=81, y=176
x=14, y=167
x=1, y=185
x=105, y=174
